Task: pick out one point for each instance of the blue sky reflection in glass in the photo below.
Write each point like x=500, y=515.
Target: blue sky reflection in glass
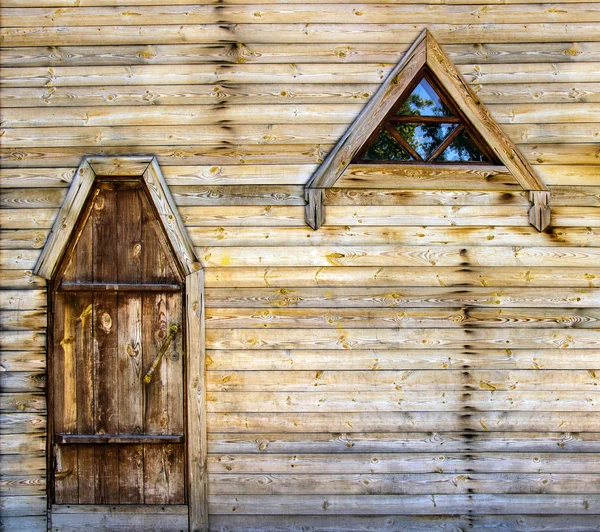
x=423, y=101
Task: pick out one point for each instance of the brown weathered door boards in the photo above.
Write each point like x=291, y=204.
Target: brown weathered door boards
x=125, y=354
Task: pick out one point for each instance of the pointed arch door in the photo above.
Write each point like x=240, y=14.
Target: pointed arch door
x=117, y=357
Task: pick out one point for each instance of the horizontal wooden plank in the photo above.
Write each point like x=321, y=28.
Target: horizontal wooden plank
x=370, y=338
x=439, y=318
x=219, y=135
x=402, y=484
x=532, y=94
x=22, y=278
x=178, y=115
x=30, y=523
x=399, y=359
x=428, y=177
x=296, y=33
x=410, y=442
x=400, y=523
x=501, y=421
x=506, y=276
x=399, y=463
x=243, y=73
x=22, y=423
x=406, y=297
x=23, y=505
x=23, y=340
x=23, y=360
x=395, y=256
x=15, y=464
x=19, y=258
x=358, y=13
x=23, y=320
x=22, y=381
x=76, y=3
x=261, y=113
x=405, y=504
x=403, y=401
x=294, y=195
x=22, y=299
x=183, y=54
x=22, y=485
x=121, y=517
x=508, y=215
x=97, y=439
x=22, y=239
x=562, y=156
x=23, y=444
x=302, y=235
x=22, y=402
x=465, y=379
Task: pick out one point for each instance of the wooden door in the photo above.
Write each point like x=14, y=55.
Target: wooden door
x=117, y=300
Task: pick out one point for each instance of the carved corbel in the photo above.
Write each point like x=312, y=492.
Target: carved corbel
x=315, y=207
x=539, y=214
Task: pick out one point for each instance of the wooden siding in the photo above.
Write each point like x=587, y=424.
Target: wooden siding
x=425, y=361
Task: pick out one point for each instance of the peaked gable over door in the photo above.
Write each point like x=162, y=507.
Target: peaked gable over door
x=426, y=60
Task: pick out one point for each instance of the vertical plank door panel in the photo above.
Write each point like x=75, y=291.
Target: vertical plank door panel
x=106, y=395
x=65, y=395
x=131, y=390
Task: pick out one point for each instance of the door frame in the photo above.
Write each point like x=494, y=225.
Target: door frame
x=147, y=168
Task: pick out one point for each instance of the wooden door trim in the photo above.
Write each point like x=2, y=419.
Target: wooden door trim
x=64, y=228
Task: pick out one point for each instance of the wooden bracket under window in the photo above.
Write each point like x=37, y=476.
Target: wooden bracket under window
x=539, y=214
x=315, y=207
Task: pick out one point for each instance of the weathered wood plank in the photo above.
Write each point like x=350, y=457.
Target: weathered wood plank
x=409, y=442
x=453, y=318
x=262, y=112
x=23, y=505
x=23, y=320
x=197, y=447
x=389, y=380
x=22, y=423
x=396, y=256
x=296, y=33
x=532, y=96
x=400, y=523
x=406, y=297
x=400, y=463
x=351, y=338
x=402, y=276
x=22, y=402
x=22, y=485
x=402, y=484
x=242, y=73
x=237, y=53
x=405, y=359
x=297, y=13
x=405, y=504
x=403, y=401
x=217, y=235
x=132, y=517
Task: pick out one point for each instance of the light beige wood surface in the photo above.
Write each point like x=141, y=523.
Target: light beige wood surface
x=427, y=360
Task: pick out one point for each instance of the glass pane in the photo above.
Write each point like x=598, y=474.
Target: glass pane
x=462, y=149
x=423, y=101
x=385, y=148
x=424, y=138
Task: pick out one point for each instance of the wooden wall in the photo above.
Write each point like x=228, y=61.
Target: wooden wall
x=424, y=361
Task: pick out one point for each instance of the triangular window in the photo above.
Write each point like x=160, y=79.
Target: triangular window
x=424, y=127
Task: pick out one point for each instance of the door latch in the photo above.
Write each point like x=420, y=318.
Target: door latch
x=173, y=330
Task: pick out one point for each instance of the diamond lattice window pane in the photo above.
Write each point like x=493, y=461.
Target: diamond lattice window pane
x=385, y=148
x=424, y=138
x=462, y=149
